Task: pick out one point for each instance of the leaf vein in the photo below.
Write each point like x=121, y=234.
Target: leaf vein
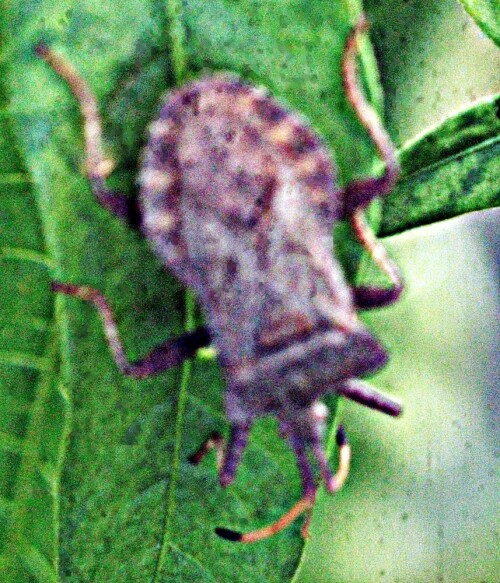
x=35, y=562
x=13, y=358
x=192, y=559
x=20, y=254
x=10, y=443
x=14, y=178
x=176, y=460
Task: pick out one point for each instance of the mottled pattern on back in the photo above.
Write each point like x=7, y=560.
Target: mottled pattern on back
x=238, y=197
x=264, y=184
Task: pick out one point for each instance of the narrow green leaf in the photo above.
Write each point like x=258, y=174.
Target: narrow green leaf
x=466, y=131
x=487, y=14
x=448, y=171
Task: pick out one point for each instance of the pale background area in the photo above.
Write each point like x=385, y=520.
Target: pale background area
x=434, y=61
x=421, y=501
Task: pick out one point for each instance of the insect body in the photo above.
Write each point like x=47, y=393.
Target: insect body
x=238, y=197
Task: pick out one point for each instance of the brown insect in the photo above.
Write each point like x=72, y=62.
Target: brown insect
x=238, y=197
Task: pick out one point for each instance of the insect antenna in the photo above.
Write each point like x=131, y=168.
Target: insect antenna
x=334, y=483
x=305, y=504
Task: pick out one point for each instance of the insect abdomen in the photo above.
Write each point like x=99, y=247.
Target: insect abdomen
x=238, y=197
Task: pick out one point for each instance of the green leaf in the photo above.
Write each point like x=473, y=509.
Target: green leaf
x=420, y=503
x=434, y=63
x=34, y=412
x=132, y=508
x=487, y=14
x=448, y=171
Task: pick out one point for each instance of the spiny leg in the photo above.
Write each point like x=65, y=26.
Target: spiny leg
x=228, y=456
x=97, y=166
x=366, y=297
x=363, y=393
x=358, y=194
x=171, y=353
x=304, y=505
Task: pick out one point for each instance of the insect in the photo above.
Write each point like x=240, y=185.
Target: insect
x=238, y=197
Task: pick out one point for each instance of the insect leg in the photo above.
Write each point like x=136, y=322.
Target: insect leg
x=304, y=505
x=308, y=486
x=366, y=395
x=97, y=166
x=366, y=297
x=235, y=447
x=228, y=457
x=171, y=353
x=359, y=193
x=215, y=441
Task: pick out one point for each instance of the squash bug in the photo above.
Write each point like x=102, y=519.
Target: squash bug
x=238, y=197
